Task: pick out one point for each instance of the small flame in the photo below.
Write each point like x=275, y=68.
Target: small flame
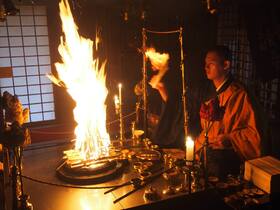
x=85, y=81
x=97, y=38
x=159, y=63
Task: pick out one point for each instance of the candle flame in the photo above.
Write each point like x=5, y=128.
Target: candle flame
x=189, y=149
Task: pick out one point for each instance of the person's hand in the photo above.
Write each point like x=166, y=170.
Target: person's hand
x=221, y=142
x=154, y=81
x=138, y=89
x=160, y=86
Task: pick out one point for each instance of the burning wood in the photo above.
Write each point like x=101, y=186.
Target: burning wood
x=74, y=159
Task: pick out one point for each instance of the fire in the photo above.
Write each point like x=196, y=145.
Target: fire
x=159, y=63
x=85, y=81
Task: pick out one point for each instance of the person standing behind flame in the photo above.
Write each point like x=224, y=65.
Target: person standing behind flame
x=169, y=132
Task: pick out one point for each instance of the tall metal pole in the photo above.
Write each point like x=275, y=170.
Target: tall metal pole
x=144, y=83
x=184, y=87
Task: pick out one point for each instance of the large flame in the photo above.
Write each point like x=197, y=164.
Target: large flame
x=84, y=79
x=159, y=63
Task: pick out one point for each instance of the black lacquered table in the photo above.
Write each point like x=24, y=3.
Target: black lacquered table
x=40, y=163
x=47, y=192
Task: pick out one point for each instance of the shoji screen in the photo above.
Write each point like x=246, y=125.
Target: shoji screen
x=24, y=46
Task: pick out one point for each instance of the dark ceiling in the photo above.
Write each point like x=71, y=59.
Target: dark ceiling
x=152, y=8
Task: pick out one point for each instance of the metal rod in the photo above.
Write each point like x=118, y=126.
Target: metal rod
x=189, y=181
x=184, y=87
x=205, y=159
x=163, y=32
x=147, y=181
x=118, y=186
x=144, y=83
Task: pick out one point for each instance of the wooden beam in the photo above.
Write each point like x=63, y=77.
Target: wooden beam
x=6, y=72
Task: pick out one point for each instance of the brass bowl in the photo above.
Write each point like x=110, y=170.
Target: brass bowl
x=148, y=155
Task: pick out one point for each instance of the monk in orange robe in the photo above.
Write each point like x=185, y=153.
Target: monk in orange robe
x=233, y=132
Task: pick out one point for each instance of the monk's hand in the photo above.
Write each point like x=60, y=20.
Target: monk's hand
x=221, y=142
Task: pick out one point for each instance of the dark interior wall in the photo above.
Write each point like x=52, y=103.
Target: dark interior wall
x=121, y=39
x=89, y=18
x=251, y=30
x=63, y=103
x=92, y=17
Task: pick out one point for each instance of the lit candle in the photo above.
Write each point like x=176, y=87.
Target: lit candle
x=189, y=149
x=120, y=93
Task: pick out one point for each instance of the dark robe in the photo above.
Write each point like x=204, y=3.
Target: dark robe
x=169, y=132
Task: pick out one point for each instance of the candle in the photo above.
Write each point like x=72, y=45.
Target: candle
x=120, y=93
x=189, y=149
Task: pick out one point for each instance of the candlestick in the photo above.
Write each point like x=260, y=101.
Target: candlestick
x=120, y=113
x=189, y=149
x=120, y=93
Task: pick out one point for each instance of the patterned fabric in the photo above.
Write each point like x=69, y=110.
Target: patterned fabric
x=211, y=111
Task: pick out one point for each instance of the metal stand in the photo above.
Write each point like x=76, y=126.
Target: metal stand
x=144, y=84
x=184, y=87
x=118, y=110
x=15, y=187
x=144, y=72
x=13, y=136
x=189, y=174
x=121, y=123
x=189, y=181
x=19, y=200
x=205, y=159
x=187, y=184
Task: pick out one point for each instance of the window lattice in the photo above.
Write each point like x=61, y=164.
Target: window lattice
x=24, y=46
x=232, y=32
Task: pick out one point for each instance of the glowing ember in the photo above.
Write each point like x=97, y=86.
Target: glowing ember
x=84, y=79
x=159, y=63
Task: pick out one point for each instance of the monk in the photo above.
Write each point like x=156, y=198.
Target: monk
x=229, y=119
